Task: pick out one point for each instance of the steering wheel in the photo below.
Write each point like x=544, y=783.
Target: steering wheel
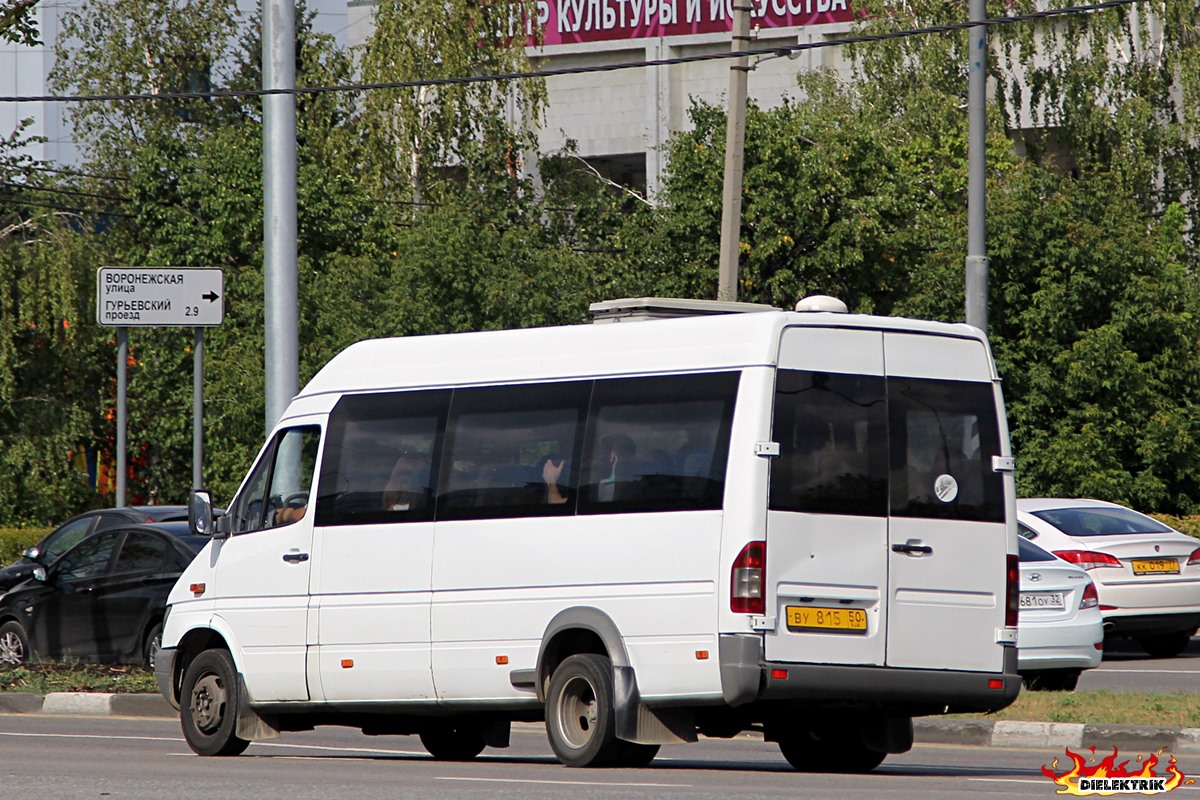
x=293, y=500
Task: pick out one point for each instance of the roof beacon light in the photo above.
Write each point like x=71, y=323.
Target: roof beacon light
x=822, y=302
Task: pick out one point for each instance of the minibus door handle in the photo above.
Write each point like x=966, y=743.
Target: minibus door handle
x=295, y=558
x=912, y=547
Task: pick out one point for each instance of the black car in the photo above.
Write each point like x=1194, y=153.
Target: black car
x=103, y=600
x=73, y=531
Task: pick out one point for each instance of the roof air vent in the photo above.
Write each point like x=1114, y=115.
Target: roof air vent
x=822, y=302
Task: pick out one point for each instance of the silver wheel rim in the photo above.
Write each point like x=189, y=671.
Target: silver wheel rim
x=578, y=711
x=208, y=703
x=152, y=651
x=11, y=649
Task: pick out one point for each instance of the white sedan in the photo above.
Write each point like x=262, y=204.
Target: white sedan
x=1146, y=573
x=1060, y=631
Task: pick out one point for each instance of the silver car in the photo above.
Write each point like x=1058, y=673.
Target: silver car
x=1146, y=573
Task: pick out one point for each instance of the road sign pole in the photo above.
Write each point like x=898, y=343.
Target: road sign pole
x=198, y=409
x=122, y=364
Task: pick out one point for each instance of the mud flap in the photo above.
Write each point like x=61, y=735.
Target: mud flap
x=888, y=734
x=636, y=722
x=252, y=726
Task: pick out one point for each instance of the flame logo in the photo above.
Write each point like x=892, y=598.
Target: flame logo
x=1069, y=781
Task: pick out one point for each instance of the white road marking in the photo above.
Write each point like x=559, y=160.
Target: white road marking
x=179, y=740
x=1120, y=671
x=94, y=736
x=593, y=784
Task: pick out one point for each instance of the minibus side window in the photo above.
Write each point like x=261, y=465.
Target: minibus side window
x=381, y=458
x=513, y=451
x=943, y=437
x=658, y=444
x=277, y=491
x=832, y=435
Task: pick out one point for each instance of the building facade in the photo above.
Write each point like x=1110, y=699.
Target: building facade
x=621, y=120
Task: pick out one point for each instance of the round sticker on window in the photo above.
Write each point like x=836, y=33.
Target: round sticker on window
x=946, y=488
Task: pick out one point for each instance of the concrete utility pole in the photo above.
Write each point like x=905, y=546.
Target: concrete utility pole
x=280, y=285
x=977, y=260
x=735, y=146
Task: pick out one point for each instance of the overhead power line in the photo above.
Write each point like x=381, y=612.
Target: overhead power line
x=775, y=50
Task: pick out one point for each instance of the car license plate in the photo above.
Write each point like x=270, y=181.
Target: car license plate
x=1156, y=566
x=1033, y=601
x=820, y=618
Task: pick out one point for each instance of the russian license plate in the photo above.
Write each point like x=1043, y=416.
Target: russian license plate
x=821, y=618
x=1156, y=566
x=1034, y=601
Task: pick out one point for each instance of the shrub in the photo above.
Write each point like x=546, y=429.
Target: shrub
x=1189, y=525
x=13, y=542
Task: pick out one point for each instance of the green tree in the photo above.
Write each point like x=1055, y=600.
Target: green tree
x=190, y=173
x=1091, y=234
x=419, y=136
x=17, y=22
x=860, y=191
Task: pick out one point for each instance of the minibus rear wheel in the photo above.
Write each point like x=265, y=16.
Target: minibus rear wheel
x=450, y=741
x=580, y=719
x=808, y=752
x=209, y=705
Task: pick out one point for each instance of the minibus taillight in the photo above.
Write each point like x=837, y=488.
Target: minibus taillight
x=746, y=595
x=1012, y=594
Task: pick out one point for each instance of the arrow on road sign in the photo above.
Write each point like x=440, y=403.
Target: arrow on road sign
x=210, y=296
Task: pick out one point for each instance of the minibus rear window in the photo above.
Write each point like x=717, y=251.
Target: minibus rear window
x=866, y=445
x=943, y=436
x=832, y=432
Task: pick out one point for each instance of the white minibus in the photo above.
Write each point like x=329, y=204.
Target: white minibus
x=799, y=523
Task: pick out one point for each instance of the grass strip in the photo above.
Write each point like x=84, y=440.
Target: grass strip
x=1104, y=707
x=48, y=677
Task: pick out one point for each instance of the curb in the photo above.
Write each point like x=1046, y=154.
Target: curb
x=88, y=704
x=971, y=732
x=1003, y=733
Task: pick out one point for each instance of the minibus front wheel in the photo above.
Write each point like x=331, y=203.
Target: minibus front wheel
x=209, y=705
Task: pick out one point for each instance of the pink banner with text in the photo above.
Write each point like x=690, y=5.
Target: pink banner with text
x=571, y=21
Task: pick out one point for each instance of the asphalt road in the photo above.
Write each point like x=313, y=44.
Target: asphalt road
x=48, y=757
x=1126, y=668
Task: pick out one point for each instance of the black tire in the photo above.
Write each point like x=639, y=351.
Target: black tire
x=810, y=753
x=151, y=645
x=1051, y=680
x=580, y=718
x=1166, y=645
x=452, y=741
x=208, y=706
x=14, y=645
x=636, y=756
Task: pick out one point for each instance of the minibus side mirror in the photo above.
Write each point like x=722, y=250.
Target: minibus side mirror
x=200, y=516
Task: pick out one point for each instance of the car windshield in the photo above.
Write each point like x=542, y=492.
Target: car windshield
x=1100, y=521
